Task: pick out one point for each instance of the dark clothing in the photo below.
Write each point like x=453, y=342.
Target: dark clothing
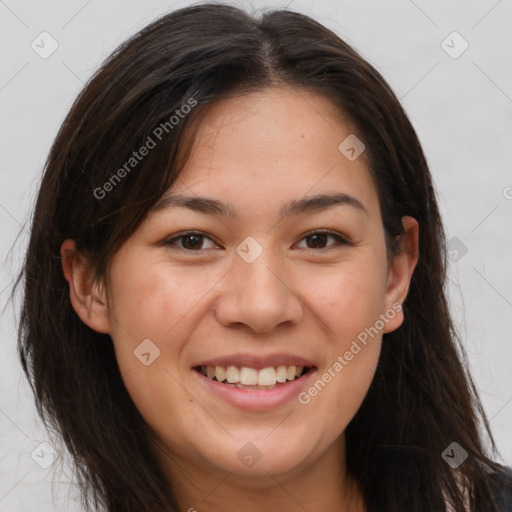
x=503, y=489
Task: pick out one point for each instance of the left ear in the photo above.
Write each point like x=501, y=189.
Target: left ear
x=400, y=272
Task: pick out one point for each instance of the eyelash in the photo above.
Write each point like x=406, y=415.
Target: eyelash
x=339, y=239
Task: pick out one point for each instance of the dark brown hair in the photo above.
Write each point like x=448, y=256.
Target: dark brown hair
x=422, y=397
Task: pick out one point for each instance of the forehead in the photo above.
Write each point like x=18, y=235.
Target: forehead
x=275, y=144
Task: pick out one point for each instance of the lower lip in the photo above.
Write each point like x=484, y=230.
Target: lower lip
x=256, y=399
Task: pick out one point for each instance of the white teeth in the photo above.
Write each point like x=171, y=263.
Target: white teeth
x=220, y=374
x=233, y=374
x=267, y=377
x=281, y=374
x=248, y=376
x=245, y=376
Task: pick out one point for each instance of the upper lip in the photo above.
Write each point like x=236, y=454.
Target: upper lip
x=257, y=361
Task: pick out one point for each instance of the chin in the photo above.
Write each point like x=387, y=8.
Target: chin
x=261, y=455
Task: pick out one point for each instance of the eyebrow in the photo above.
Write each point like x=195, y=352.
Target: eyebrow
x=295, y=207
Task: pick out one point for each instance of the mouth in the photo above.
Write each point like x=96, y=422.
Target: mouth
x=249, y=378
x=254, y=382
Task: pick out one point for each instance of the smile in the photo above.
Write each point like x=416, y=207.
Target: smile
x=251, y=378
x=259, y=389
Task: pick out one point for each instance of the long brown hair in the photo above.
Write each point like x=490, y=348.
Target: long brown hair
x=422, y=398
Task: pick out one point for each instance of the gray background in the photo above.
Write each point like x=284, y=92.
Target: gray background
x=460, y=107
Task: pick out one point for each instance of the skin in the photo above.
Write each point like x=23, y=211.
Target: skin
x=255, y=151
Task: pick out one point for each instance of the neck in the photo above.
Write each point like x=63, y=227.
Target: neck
x=323, y=484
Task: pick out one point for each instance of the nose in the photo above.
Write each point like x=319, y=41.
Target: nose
x=258, y=295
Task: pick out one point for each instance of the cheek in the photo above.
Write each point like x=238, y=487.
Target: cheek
x=153, y=301
x=342, y=382
x=160, y=304
x=349, y=299
x=350, y=303
x=343, y=395
x=149, y=306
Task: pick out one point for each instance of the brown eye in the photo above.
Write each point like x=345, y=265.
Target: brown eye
x=192, y=242
x=189, y=241
x=318, y=239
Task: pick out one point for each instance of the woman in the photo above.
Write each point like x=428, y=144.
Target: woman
x=234, y=286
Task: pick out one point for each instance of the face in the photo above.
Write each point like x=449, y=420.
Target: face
x=280, y=290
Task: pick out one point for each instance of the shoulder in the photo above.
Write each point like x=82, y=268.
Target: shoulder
x=502, y=488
